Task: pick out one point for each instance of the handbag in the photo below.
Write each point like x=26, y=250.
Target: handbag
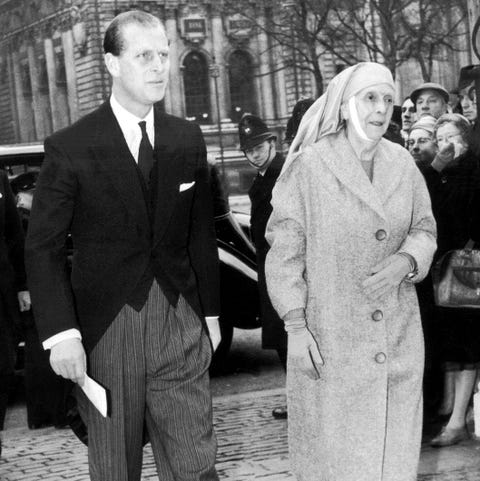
x=456, y=278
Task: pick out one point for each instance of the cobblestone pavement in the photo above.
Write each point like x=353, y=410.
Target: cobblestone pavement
x=252, y=446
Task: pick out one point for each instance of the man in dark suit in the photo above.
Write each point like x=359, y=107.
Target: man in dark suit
x=130, y=184
x=14, y=295
x=258, y=145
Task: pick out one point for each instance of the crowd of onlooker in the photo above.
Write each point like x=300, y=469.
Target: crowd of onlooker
x=440, y=135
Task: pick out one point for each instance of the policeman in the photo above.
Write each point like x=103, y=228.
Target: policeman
x=258, y=145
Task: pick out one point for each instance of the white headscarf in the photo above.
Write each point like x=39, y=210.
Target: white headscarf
x=323, y=117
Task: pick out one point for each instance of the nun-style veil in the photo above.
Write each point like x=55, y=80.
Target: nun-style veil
x=323, y=117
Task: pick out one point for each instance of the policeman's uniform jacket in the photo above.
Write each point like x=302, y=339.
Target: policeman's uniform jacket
x=260, y=193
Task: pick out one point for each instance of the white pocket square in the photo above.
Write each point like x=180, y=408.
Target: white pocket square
x=186, y=186
x=1, y=195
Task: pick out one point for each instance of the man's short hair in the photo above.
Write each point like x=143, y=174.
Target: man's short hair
x=113, y=41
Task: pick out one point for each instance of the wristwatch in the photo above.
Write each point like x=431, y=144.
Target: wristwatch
x=413, y=264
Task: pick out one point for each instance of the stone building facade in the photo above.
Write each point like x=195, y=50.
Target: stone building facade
x=52, y=72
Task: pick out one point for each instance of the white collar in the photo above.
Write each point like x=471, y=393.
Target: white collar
x=129, y=122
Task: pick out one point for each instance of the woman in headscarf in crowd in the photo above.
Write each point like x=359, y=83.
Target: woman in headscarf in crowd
x=350, y=232
x=454, y=183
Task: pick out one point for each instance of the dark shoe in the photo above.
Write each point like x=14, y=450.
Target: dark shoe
x=280, y=413
x=449, y=437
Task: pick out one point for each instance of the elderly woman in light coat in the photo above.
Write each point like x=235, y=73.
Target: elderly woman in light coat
x=350, y=232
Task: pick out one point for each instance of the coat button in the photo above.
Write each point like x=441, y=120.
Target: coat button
x=380, y=234
x=377, y=315
x=380, y=358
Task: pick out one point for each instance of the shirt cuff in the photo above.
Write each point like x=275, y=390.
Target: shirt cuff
x=212, y=318
x=61, y=336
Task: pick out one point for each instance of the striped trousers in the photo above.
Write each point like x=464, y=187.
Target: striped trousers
x=154, y=364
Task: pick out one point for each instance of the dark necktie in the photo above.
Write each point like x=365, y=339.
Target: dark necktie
x=145, y=153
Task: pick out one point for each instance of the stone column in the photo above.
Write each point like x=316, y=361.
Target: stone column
x=264, y=71
x=23, y=109
x=280, y=84
x=69, y=56
x=36, y=95
x=218, y=42
x=174, y=101
x=13, y=95
x=52, y=84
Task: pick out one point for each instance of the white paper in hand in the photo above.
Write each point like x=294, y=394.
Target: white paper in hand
x=96, y=394
x=476, y=413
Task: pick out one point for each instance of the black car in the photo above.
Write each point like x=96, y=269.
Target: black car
x=238, y=268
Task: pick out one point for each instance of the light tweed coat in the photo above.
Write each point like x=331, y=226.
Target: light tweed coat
x=362, y=420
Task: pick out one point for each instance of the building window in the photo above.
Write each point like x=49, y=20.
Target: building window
x=242, y=86
x=26, y=81
x=60, y=74
x=197, y=90
x=3, y=71
x=42, y=76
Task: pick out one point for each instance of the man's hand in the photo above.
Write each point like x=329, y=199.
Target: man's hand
x=303, y=351
x=386, y=275
x=214, y=331
x=24, y=301
x=68, y=359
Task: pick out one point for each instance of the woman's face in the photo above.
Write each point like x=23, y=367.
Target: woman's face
x=468, y=101
x=451, y=134
x=375, y=108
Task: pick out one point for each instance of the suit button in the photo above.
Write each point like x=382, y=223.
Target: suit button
x=380, y=234
x=377, y=315
x=380, y=358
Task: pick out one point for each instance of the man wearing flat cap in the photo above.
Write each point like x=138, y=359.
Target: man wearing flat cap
x=258, y=145
x=430, y=99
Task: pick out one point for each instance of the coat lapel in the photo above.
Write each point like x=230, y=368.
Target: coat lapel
x=113, y=156
x=340, y=158
x=388, y=171
x=167, y=173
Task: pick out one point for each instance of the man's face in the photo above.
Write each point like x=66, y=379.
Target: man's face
x=261, y=154
x=408, y=115
x=430, y=102
x=421, y=145
x=140, y=72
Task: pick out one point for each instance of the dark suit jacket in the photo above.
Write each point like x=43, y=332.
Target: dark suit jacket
x=89, y=186
x=12, y=270
x=260, y=193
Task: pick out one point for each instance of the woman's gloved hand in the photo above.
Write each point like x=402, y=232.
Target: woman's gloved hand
x=302, y=346
x=387, y=275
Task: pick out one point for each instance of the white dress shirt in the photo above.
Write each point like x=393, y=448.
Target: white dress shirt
x=133, y=136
